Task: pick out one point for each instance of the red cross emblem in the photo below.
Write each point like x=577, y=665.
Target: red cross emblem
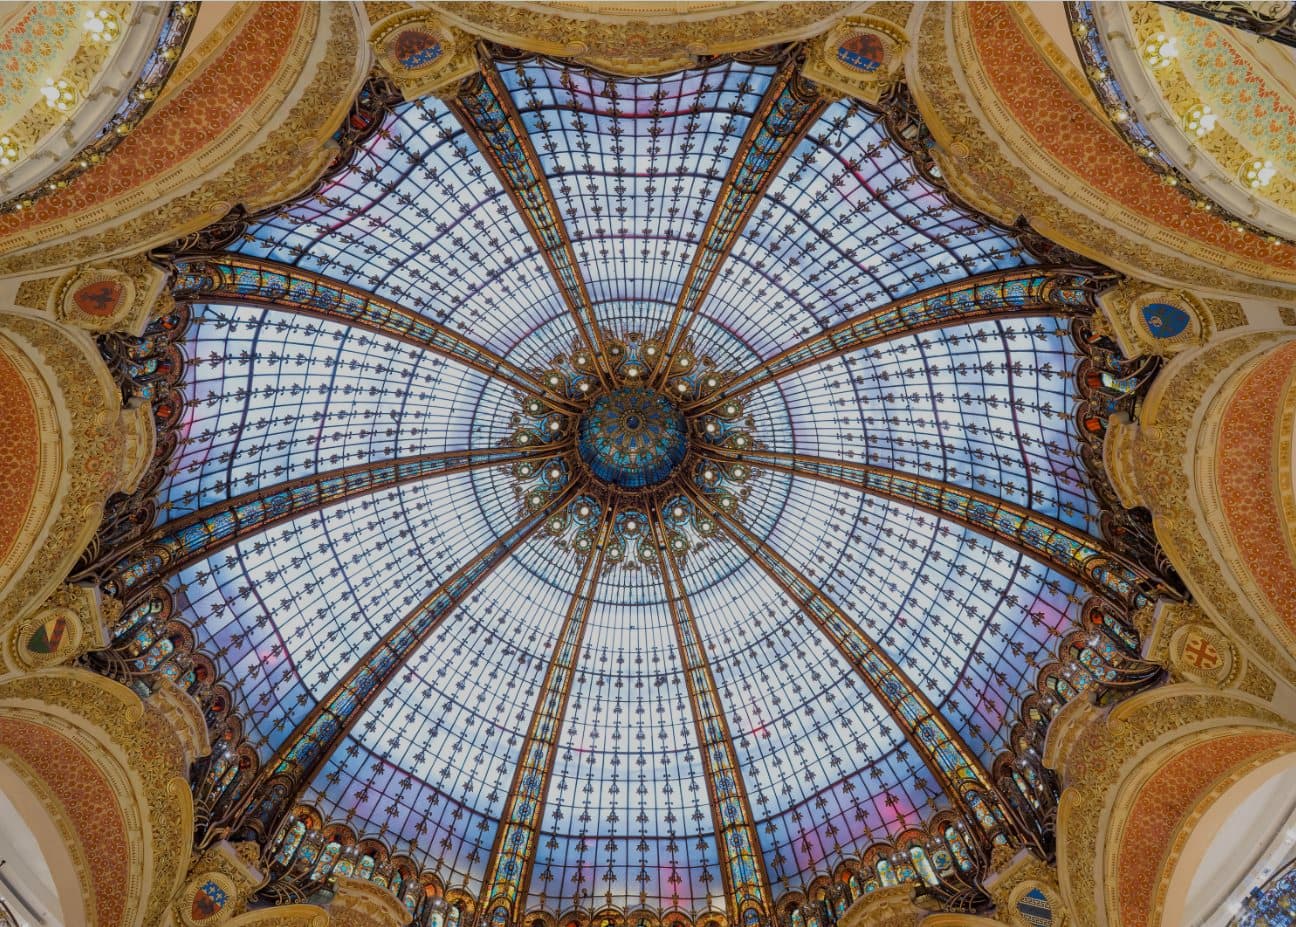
x=1200, y=652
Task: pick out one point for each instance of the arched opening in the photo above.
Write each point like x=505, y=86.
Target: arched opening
x=38, y=881
x=1245, y=836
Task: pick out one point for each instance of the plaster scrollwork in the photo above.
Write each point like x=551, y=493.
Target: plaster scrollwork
x=947, y=82
x=1150, y=465
x=644, y=38
x=92, y=444
x=1096, y=751
x=887, y=907
x=361, y=903
x=421, y=53
x=73, y=620
x=184, y=717
x=139, y=758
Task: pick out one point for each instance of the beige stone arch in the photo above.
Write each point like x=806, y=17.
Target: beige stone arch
x=1218, y=861
x=69, y=445
x=248, y=121
x=34, y=810
x=111, y=772
x=1137, y=780
x=1019, y=133
x=1206, y=459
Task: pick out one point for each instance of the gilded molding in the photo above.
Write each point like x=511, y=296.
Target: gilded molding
x=1162, y=448
x=140, y=755
x=643, y=38
x=937, y=80
x=291, y=156
x=887, y=907
x=1094, y=755
x=91, y=454
x=361, y=903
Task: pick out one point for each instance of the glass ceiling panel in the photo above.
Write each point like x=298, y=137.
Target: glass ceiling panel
x=420, y=218
x=844, y=227
x=287, y=612
x=454, y=724
x=275, y=396
x=926, y=580
x=985, y=406
x=635, y=165
x=627, y=792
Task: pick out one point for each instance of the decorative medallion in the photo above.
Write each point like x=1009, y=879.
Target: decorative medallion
x=1201, y=654
x=863, y=51
x=1035, y=908
x=48, y=637
x=211, y=900
x=51, y=637
x=415, y=48
x=859, y=56
x=97, y=299
x=643, y=445
x=421, y=53
x=1164, y=320
x=1147, y=319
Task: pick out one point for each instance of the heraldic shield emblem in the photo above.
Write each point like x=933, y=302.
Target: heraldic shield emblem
x=98, y=298
x=208, y=901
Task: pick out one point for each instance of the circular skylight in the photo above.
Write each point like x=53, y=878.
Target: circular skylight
x=618, y=492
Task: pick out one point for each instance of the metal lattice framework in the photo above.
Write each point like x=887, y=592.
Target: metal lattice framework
x=621, y=473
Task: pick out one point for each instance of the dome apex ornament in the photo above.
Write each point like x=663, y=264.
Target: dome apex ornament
x=636, y=455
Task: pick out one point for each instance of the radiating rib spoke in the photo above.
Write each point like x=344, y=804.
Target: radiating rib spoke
x=961, y=774
x=229, y=278
x=508, y=874
x=486, y=109
x=1023, y=292
x=791, y=105
x=316, y=736
x=199, y=535
x=747, y=885
x=1052, y=543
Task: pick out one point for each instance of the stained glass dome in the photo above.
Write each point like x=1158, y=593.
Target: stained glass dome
x=632, y=494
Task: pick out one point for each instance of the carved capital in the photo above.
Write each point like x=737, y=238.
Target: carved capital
x=360, y=903
x=887, y=907
x=185, y=717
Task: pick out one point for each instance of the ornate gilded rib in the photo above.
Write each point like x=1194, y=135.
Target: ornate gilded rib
x=1056, y=545
x=486, y=110
x=1001, y=294
x=746, y=879
x=302, y=753
x=512, y=860
x=964, y=779
x=229, y=278
x=790, y=106
x=200, y=534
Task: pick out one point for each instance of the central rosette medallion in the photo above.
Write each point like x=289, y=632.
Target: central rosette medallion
x=632, y=437
x=647, y=445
